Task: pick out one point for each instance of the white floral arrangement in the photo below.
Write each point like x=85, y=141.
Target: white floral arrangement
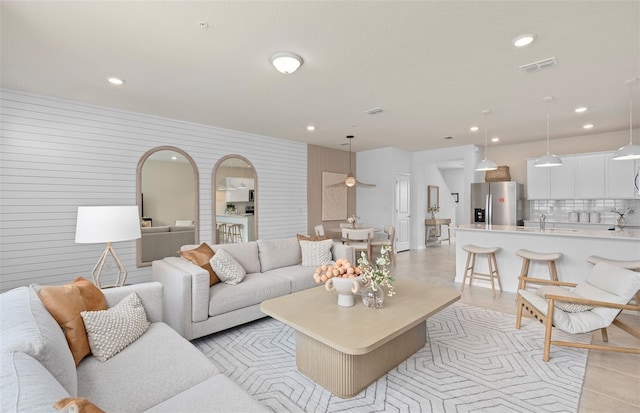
x=623, y=211
x=377, y=273
x=433, y=208
x=353, y=219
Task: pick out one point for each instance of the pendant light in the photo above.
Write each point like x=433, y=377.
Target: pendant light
x=548, y=159
x=630, y=151
x=486, y=164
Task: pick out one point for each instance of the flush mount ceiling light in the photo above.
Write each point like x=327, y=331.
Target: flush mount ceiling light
x=474, y=129
x=495, y=139
x=286, y=62
x=548, y=159
x=588, y=126
x=630, y=151
x=115, y=81
x=581, y=109
x=486, y=164
x=524, y=40
x=311, y=128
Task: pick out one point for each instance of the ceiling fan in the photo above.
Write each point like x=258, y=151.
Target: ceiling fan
x=351, y=180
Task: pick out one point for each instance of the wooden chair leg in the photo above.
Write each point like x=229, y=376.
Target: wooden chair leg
x=548, y=324
x=553, y=271
x=520, y=305
x=491, y=274
x=495, y=265
x=605, y=336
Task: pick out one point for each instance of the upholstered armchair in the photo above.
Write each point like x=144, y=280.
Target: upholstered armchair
x=594, y=304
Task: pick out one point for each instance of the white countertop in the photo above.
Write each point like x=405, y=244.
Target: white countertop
x=582, y=233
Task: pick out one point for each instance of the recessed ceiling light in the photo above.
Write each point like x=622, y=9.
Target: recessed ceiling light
x=474, y=128
x=524, y=40
x=311, y=128
x=175, y=158
x=581, y=109
x=115, y=81
x=588, y=126
x=495, y=139
x=286, y=62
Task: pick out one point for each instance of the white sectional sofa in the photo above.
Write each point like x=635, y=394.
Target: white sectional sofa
x=159, y=372
x=194, y=309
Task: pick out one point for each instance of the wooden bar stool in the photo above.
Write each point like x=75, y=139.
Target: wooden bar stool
x=469, y=270
x=528, y=256
x=221, y=229
x=235, y=233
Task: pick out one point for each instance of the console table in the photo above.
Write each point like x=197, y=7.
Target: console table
x=433, y=231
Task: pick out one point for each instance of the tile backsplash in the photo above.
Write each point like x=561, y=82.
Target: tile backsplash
x=558, y=210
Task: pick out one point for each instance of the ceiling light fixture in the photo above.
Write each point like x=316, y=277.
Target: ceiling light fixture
x=474, y=129
x=495, y=139
x=486, y=164
x=630, y=151
x=311, y=128
x=115, y=81
x=548, y=159
x=524, y=40
x=588, y=126
x=582, y=109
x=286, y=62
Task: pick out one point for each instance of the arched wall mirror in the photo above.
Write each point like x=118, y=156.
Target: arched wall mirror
x=167, y=197
x=235, y=197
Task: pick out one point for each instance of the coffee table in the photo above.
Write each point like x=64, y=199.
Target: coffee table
x=344, y=349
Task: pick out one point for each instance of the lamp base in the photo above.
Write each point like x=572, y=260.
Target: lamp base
x=97, y=270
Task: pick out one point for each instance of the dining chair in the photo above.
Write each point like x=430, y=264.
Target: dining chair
x=319, y=229
x=591, y=305
x=389, y=238
x=359, y=239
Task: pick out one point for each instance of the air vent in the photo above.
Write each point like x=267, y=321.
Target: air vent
x=373, y=111
x=531, y=67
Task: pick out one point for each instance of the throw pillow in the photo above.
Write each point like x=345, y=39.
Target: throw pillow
x=111, y=331
x=563, y=305
x=228, y=269
x=316, y=253
x=77, y=405
x=311, y=238
x=200, y=256
x=65, y=303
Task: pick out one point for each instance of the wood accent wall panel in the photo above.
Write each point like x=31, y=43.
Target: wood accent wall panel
x=56, y=155
x=321, y=159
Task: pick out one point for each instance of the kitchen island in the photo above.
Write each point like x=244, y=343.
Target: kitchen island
x=576, y=245
x=245, y=220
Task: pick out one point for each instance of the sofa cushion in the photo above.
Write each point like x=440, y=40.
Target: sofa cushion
x=246, y=253
x=157, y=366
x=300, y=278
x=217, y=394
x=110, y=331
x=181, y=228
x=26, y=385
x=277, y=253
x=228, y=269
x=254, y=289
x=65, y=303
x=201, y=256
x=316, y=253
x=26, y=326
x=154, y=230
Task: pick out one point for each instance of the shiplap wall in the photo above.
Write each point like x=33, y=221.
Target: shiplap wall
x=56, y=155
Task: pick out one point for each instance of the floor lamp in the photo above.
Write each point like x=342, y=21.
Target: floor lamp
x=98, y=224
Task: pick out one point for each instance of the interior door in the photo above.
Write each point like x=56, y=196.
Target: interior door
x=403, y=212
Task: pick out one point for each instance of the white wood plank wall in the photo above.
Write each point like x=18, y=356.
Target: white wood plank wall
x=56, y=155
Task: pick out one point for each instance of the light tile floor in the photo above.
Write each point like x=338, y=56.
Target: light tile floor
x=612, y=381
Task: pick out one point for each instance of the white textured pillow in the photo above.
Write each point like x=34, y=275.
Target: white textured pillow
x=315, y=253
x=563, y=305
x=228, y=269
x=111, y=331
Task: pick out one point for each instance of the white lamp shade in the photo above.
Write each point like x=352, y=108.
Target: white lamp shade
x=98, y=224
x=286, y=63
x=547, y=161
x=487, y=165
x=627, y=152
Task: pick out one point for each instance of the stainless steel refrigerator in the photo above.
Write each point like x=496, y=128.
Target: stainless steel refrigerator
x=497, y=203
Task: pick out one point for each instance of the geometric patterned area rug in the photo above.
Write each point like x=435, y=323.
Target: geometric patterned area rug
x=474, y=361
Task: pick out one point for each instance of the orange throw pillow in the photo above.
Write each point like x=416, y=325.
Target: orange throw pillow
x=200, y=256
x=311, y=238
x=77, y=405
x=65, y=302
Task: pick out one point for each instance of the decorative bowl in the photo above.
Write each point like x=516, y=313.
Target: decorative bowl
x=345, y=287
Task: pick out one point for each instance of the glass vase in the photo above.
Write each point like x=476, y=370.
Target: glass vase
x=373, y=297
x=621, y=222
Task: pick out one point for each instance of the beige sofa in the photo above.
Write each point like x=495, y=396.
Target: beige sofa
x=159, y=372
x=160, y=242
x=273, y=269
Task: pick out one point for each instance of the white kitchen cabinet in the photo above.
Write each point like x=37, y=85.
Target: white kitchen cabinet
x=538, y=181
x=241, y=191
x=562, y=185
x=619, y=177
x=589, y=176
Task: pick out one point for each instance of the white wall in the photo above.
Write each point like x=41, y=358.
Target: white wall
x=57, y=155
x=454, y=178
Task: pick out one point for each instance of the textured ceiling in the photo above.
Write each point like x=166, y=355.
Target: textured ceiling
x=433, y=66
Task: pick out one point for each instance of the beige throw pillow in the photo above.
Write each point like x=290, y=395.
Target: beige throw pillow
x=111, y=331
x=228, y=269
x=316, y=253
x=563, y=305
